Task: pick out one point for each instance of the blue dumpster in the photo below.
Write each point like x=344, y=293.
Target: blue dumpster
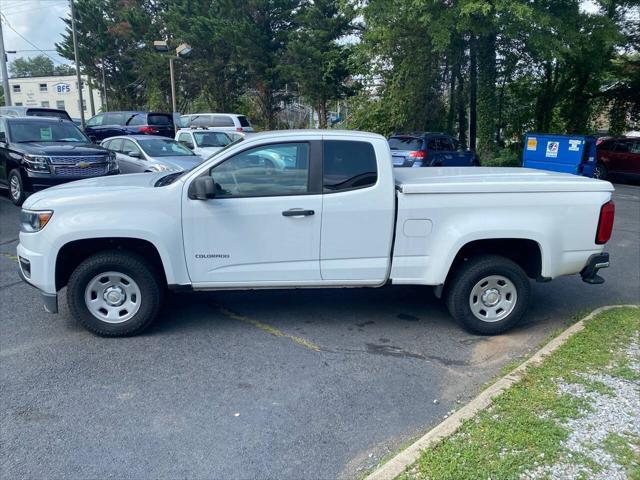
x=574, y=154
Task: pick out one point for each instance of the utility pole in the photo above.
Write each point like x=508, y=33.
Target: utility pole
x=91, y=104
x=105, y=107
x=75, y=55
x=173, y=86
x=3, y=67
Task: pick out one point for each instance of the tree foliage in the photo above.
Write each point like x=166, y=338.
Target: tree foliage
x=484, y=70
x=38, y=66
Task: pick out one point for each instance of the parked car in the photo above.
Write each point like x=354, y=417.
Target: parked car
x=39, y=152
x=142, y=153
x=336, y=215
x=430, y=150
x=110, y=124
x=223, y=122
x=618, y=157
x=203, y=141
x=34, y=112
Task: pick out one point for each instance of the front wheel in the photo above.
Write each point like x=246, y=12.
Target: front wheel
x=16, y=188
x=488, y=294
x=114, y=293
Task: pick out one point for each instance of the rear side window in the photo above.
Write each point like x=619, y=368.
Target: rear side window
x=222, y=121
x=114, y=119
x=405, y=143
x=244, y=121
x=157, y=119
x=622, y=146
x=348, y=165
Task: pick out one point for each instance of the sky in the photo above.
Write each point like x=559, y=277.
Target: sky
x=38, y=21
x=40, y=25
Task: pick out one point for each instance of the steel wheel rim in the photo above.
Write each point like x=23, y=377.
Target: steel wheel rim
x=112, y=297
x=597, y=174
x=493, y=298
x=15, y=188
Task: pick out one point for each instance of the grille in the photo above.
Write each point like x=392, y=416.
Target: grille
x=90, y=171
x=72, y=160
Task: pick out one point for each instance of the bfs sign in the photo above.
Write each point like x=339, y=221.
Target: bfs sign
x=63, y=88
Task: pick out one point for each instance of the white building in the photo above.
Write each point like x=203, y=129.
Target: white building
x=53, y=92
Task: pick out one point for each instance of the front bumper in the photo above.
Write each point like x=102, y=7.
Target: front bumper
x=597, y=261
x=36, y=181
x=50, y=300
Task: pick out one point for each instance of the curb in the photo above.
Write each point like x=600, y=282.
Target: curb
x=400, y=462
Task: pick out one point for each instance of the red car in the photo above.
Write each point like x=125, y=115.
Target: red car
x=619, y=157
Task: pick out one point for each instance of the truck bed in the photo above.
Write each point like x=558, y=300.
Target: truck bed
x=491, y=180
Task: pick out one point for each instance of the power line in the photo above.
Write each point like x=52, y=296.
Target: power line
x=29, y=41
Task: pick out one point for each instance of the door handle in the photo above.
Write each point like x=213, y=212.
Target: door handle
x=297, y=212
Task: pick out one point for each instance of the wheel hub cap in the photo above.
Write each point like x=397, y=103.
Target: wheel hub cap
x=493, y=298
x=114, y=296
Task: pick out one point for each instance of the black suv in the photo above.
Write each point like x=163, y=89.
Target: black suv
x=39, y=152
x=427, y=149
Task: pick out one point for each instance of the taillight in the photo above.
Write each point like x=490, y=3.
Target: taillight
x=418, y=154
x=239, y=129
x=148, y=130
x=605, y=222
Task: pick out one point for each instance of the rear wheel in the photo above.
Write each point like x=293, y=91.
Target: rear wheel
x=16, y=187
x=114, y=293
x=488, y=294
x=600, y=172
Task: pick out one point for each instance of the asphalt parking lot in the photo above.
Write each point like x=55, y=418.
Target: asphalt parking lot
x=266, y=384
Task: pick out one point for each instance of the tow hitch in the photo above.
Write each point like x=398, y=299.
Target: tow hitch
x=590, y=272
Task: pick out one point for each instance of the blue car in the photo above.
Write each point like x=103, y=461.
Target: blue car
x=430, y=150
x=111, y=124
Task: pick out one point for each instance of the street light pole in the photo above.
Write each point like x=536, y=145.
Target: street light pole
x=75, y=55
x=173, y=86
x=3, y=67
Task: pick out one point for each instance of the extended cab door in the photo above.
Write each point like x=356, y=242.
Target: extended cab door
x=358, y=210
x=262, y=228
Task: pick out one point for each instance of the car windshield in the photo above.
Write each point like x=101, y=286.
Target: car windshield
x=163, y=147
x=63, y=131
x=211, y=139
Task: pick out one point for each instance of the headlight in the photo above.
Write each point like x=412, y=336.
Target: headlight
x=36, y=163
x=34, y=220
x=159, y=167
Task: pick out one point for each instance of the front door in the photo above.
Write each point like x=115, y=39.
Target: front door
x=262, y=228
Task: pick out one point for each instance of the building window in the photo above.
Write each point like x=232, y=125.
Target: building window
x=16, y=88
x=60, y=104
x=44, y=104
x=43, y=87
x=18, y=104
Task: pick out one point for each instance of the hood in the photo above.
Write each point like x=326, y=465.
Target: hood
x=97, y=188
x=206, y=152
x=61, y=148
x=180, y=162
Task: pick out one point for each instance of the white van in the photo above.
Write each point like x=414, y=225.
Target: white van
x=223, y=122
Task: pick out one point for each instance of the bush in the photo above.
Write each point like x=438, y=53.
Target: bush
x=502, y=158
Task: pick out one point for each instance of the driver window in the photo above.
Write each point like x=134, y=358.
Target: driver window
x=269, y=170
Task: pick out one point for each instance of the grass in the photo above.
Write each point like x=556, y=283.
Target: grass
x=522, y=429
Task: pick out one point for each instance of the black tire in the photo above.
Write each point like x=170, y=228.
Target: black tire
x=137, y=268
x=600, y=172
x=15, y=180
x=470, y=274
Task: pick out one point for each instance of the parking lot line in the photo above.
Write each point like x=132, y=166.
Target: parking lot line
x=269, y=329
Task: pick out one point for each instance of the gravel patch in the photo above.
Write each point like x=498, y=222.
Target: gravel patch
x=617, y=412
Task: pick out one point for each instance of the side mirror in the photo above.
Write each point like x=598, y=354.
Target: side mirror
x=134, y=154
x=202, y=188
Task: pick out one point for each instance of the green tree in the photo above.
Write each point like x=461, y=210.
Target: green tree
x=316, y=59
x=38, y=66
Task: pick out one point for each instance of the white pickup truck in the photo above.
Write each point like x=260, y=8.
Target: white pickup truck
x=298, y=209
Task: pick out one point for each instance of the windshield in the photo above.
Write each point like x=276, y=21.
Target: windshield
x=23, y=132
x=211, y=139
x=163, y=147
